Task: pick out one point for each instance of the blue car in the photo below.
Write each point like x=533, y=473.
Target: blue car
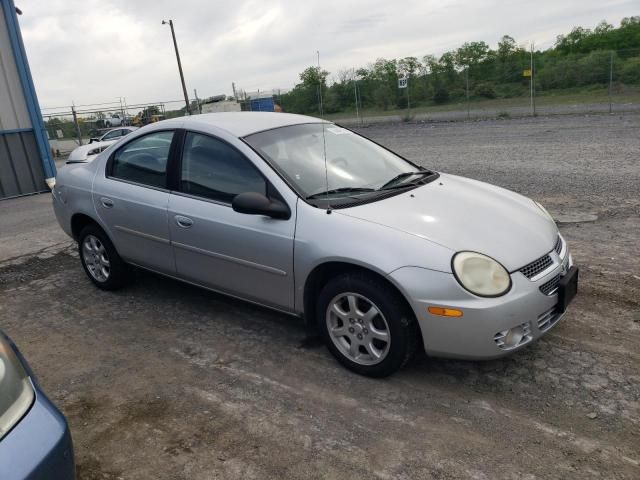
x=35, y=442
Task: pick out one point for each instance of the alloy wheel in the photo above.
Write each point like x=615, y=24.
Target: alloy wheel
x=95, y=258
x=358, y=328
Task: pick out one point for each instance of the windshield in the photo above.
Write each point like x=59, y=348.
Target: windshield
x=354, y=164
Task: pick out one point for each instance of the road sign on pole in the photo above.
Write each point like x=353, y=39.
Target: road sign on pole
x=403, y=82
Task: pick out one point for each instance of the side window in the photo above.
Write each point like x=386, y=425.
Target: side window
x=212, y=169
x=112, y=135
x=144, y=160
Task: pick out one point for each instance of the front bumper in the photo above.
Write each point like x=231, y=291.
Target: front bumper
x=479, y=333
x=39, y=446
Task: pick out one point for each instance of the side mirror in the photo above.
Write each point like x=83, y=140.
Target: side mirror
x=254, y=203
x=91, y=140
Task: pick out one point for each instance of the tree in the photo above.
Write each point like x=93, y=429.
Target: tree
x=630, y=72
x=603, y=28
x=304, y=97
x=570, y=42
x=431, y=64
x=408, y=66
x=441, y=95
x=312, y=76
x=470, y=54
x=579, y=58
x=506, y=47
x=630, y=21
x=448, y=66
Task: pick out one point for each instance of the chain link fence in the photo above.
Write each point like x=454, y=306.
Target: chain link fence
x=524, y=84
x=72, y=126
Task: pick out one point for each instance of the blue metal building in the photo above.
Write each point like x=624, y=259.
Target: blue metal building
x=264, y=104
x=26, y=165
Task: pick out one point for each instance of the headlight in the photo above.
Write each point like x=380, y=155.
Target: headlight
x=544, y=210
x=481, y=275
x=97, y=150
x=16, y=392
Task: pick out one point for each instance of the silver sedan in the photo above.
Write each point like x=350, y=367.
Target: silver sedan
x=86, y=153
x=379, y=255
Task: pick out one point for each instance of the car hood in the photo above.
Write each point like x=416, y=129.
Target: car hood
x=81, y=153
x=464, y=214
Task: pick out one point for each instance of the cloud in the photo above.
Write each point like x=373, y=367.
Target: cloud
x=94, y=51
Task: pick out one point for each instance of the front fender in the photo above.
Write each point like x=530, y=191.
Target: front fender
x=322, y=238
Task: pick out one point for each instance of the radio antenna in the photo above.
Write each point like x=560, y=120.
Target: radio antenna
x=324, y=139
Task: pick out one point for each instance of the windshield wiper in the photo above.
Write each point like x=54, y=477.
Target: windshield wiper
x=390, y=184
x=341, y=190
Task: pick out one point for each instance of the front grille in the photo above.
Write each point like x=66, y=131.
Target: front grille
x=541, y=264
x=550, y=287
x=548, y=319
x=537, y=266
x=558, y=247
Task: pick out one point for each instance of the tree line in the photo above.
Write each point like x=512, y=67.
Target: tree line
x=582, y=58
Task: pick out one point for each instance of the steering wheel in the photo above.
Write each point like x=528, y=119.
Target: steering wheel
x=340, y=162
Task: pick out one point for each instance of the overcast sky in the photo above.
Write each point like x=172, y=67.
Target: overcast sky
x=94, y=51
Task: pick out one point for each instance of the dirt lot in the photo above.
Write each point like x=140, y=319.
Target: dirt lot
x=165, y=381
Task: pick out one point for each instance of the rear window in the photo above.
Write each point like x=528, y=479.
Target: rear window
x=144, y=160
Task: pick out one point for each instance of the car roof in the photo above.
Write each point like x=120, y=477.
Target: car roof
x=242, y=124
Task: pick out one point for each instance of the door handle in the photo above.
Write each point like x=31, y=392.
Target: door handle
x=106, y=202
x=183, y=222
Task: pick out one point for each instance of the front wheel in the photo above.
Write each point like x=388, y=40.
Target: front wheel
x=366, y=324
x=100, y=260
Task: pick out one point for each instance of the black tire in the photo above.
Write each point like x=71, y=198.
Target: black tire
x=401, y=322
x=118, y=274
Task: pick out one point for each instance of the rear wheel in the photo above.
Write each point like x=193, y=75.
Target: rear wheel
x=100, y=260
x=366, y=325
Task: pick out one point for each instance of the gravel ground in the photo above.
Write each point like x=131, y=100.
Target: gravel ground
x=162, y=380
x=478, y=111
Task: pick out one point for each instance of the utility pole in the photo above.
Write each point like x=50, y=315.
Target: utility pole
x=468, y=106
x=611, y=83
x=355, y=91
x=175, y=45
x=198, y=106
x=408, y=100
x=533, y=102
x=75, y=121
x=121, y=112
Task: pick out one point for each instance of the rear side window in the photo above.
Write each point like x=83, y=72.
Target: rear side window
x=144, y=160
x=213, y=169
x=112, y=135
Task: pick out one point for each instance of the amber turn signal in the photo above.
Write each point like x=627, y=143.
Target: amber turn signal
x=445, y=312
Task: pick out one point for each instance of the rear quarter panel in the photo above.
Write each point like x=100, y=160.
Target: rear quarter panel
x=72, y=192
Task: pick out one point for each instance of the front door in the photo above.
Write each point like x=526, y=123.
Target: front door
x=249, y=256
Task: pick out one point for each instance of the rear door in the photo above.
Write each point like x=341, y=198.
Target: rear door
x=131, y=198
x=250, y=256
